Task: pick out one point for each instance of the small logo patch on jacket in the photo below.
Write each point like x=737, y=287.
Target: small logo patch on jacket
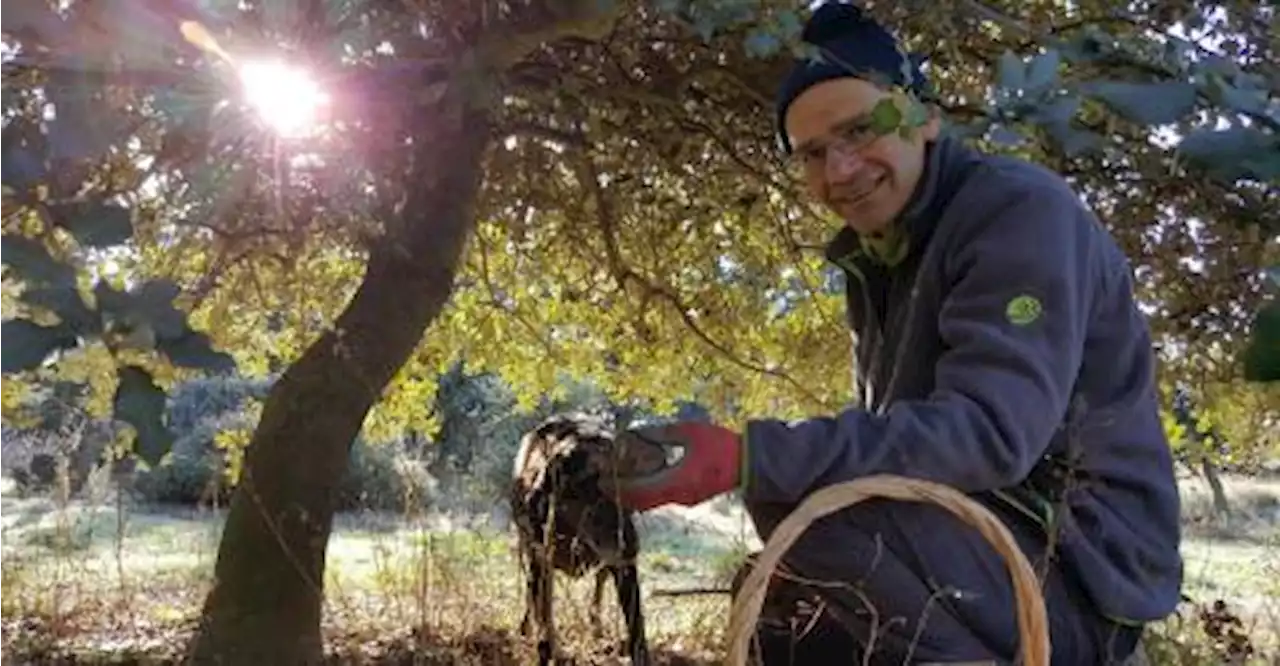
x=1023, y=310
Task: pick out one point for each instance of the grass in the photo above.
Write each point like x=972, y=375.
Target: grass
x=87, y=579
x=115, y=585
x=1236, y=557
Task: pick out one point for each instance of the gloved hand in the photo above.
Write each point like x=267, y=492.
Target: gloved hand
x=712, y=462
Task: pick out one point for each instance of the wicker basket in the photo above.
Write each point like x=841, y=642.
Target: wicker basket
x=1033, y=626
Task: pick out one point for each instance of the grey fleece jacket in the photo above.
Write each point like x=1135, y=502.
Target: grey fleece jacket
x=1005, y=347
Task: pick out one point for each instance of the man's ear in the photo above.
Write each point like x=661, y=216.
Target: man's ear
x=933, y=126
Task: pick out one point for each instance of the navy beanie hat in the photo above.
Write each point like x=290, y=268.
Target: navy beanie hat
x=849, y=43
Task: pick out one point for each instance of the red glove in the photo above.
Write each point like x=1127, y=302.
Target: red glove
x=711, y=464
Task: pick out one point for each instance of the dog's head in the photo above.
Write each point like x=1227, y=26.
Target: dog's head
x=563, y=461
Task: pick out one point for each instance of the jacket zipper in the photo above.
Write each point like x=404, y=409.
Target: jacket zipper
x=873, y=328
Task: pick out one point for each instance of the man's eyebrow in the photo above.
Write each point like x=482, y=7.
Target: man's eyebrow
x=859, y=121
x=855, y=122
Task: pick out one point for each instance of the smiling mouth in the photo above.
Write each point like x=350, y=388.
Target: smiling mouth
x=860, y=196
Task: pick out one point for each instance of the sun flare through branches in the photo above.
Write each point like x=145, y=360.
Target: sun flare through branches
x=286, y=98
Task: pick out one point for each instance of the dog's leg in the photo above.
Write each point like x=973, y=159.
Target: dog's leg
x=627, y=583
x=532, y=574
x=537, y=609
x=543, y=605
x=603, y=574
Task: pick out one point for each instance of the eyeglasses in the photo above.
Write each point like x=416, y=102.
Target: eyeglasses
x=848, y=139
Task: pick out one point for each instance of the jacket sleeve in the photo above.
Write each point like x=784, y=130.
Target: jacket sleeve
x=1002, y=383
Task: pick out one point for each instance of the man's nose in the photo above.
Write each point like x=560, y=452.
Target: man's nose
x=843, y=164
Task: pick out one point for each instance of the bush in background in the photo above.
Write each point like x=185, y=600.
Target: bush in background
x=385, y=477
x=380, y=476
x=469, y=460
x=195, y=471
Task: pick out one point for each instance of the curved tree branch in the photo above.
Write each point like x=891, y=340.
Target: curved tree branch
x=626, y=275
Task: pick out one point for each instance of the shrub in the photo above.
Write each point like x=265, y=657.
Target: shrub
x=383, y=477
x=195, y=469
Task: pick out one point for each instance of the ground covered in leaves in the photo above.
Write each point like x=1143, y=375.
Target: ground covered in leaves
x=88, y=583
x=108, y=583
x=31, y=641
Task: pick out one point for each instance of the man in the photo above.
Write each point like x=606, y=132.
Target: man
x=999, y=351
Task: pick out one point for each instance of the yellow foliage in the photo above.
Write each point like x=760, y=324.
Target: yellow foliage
x=406, y=406
x=12, y=393
x=93, y=365
x=658, y=248
x=262, y=312
x=233, y=441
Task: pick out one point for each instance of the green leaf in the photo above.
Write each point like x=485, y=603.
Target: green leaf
x=68, y=304
x=195, y=350
x=1011, y=71
x=149, y=305
x=1007, y=136
x=1222, y=66
x=155, y=299
x=27, y=344
x=1043, y=71
x=886, y=117
x=30, y=259
x=1233, y=153
x=141, y=403
x=1072, y=141
x=1244, y=100
x=917, y=116
x=1059, y=110
x=94, y=223
x=1145, y=103
x=1262, y=356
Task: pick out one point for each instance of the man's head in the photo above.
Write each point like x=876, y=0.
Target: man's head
x=827, y=111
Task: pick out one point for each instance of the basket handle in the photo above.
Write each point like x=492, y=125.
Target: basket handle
x=1033, y=624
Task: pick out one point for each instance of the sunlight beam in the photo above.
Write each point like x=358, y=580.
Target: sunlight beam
x=286, y=98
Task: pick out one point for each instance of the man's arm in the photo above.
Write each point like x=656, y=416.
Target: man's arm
x=1001, y=387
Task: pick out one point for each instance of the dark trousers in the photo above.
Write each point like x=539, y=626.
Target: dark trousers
x=910, y=583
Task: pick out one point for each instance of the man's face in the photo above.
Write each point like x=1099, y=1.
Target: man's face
x=865, y=178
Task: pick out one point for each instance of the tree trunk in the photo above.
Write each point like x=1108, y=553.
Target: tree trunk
x=265, y=604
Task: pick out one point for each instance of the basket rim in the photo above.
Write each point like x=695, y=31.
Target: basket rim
x=1030, y=611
